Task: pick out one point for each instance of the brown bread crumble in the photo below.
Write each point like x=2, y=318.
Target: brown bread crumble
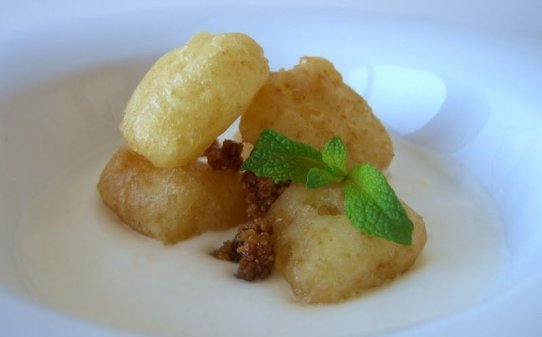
x=226, y=157
x=252, y=246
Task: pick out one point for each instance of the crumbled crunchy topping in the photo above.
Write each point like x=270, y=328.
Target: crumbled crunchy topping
x=262, y=193
x=225, y=157
x=252, y=246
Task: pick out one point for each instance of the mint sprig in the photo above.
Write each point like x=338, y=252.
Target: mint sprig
x=372, y=206
x=280, y=158
x=335, y=156
x=370, y=203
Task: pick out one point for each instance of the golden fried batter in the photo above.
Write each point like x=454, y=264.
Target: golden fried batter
x=171, y=204
x=323, y=257
x=310, y=103
x=191, y=95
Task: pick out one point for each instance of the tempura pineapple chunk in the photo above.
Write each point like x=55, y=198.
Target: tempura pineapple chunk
x=191, y=95
x=310, y=103
x=323, y=257
x=171, y=204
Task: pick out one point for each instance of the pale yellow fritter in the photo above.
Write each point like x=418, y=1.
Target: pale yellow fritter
x=191, y=95
x=323, y=257
x=171, y=204
x=310, y=103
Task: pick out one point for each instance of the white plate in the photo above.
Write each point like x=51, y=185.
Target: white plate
x=468, y=96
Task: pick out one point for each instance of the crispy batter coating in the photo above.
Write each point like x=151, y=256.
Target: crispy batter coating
x=310, y=103
x=171, y=204
x=323, y=257
x=191, y=95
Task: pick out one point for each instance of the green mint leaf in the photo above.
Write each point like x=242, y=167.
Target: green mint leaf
x=334, y=155
x=369, y=201
x=317, y=178
x=280, y=158
x=372, y=206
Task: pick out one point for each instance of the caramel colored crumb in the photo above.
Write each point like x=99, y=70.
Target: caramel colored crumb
x=257, y=255
x=262, y=193
x=252, y=246
x=227, y=157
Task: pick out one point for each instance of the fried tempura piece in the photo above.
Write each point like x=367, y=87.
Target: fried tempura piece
x=323, y=257
x=191, y=95
x=310, y=103
x=171, y=204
